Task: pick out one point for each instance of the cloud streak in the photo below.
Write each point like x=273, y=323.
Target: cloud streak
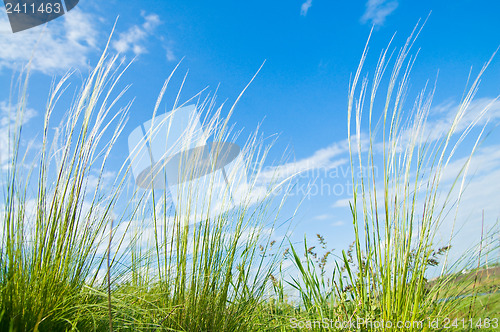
x=377, y=11
x=7, y=127
x=305, y=7
x=69, y=42
x=324, y=159
x=55, y=47
x=134, y=37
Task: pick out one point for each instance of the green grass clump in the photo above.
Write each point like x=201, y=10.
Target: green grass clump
x=52, y=220
x=383, y=276
x=74, y=259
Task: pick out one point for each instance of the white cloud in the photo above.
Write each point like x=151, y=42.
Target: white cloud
x=480, y=195
x=441, y=117
x=323, y=217
x=324, y=159
x=377, y=11
x=104, y=180
x=342, y=202
x=133, y=38
x=55, y=47
x=327, y=216
x=170, y=55
x=481, y=109
x=68, y=42
x=305, y=7
x=482, y=187
x=8, y=123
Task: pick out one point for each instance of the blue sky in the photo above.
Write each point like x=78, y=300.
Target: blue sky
x=310, y=48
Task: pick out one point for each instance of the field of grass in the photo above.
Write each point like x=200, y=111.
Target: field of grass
x=81, y=254
x=477, y=295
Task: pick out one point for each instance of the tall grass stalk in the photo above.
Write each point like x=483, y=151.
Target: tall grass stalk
x=200, y=272
x=395, y=222
x=53, y=216
x=395, y=217
x=86, y=254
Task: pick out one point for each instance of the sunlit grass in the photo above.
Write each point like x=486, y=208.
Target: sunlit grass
x=396, y=217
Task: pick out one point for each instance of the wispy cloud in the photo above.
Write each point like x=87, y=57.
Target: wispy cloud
x=324, y=159
x=343, y=203
x=134, y=37
x=56, y=47
x=8, y=124
x=480, y=195
x=170, y=55
x=377, y=11
x=441, y=117
x=323, y=217
x=305, y=7
x=68, y=42
x=477, y=113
